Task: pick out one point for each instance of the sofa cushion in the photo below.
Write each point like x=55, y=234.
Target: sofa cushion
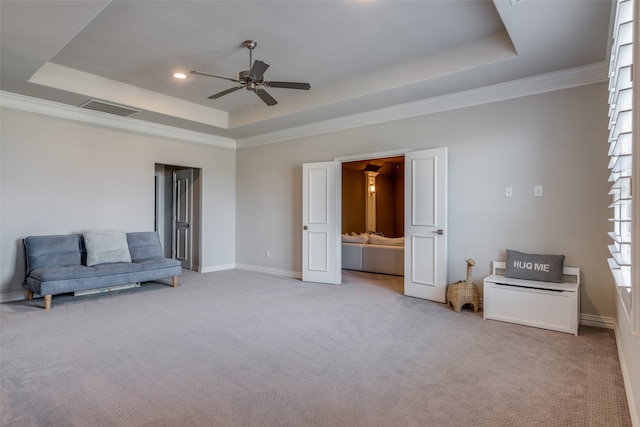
x=106, y=246
x=114, y=268
x=144, y=245
x=46, y=251
x=65, y=272
x=158, y=263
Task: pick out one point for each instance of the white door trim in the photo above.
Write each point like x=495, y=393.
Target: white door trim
x=371, y=156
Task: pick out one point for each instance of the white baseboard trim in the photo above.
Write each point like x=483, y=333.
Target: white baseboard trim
x=268, y=270
x=13, y=296
x=597, y=321
x=634, y=412
x=212, y=268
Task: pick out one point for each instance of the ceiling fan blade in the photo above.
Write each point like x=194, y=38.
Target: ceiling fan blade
x=268, y=99
x=216, y=76
x=289, y=85
x=224, y=92
x=258, y=69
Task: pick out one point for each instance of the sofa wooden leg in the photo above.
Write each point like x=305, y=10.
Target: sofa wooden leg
x=175, y=281
x=47, y=302
x=29, y=295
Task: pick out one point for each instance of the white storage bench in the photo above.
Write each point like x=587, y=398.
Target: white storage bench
x=547, y=305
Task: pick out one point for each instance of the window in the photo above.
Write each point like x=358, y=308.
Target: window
x=621, y=145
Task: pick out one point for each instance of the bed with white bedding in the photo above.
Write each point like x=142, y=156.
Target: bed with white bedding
x=376, y=254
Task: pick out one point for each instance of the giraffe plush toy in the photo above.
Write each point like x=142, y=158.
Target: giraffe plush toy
x=464, y=291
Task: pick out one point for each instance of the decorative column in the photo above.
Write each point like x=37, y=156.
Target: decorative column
x=370, y=188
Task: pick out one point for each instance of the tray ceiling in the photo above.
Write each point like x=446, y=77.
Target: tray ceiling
x=358, y=56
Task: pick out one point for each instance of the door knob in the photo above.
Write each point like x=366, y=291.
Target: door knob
x=305, y=228
x=440, y=231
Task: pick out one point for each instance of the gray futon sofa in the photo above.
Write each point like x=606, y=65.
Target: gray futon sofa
x=63, y=264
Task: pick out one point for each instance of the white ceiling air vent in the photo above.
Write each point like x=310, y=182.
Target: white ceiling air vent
x=105, y=107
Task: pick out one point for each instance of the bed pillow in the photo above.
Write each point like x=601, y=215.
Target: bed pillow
x=544, y=268
x=106, y=246
x=358, y=238
x=374, y=239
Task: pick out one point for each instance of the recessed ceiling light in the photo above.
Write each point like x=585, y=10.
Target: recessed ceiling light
x=180, y=75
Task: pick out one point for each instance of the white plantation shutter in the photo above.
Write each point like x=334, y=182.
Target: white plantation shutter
x=621, y=144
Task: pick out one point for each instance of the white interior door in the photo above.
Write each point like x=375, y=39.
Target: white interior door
x=321, y=222
x=182, y=216
x=425, y=250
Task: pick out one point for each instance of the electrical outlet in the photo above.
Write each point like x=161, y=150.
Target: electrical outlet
x=508, y=192
x=537, y=191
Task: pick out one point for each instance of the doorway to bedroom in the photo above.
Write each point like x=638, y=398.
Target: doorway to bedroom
x=177, y=212
x=425, y=223
x=373, y=215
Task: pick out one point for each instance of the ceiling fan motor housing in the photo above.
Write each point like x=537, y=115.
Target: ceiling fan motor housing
x=249, y=82
x=243, y=76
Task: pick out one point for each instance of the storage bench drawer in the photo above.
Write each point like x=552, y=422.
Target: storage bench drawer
x=554, y=306
x=555, y=310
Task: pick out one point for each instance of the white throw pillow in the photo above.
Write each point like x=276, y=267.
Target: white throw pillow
x=360, y=238
x=106, y=246
x=374, y=239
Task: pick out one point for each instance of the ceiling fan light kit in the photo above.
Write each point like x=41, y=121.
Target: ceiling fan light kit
x=253, y=79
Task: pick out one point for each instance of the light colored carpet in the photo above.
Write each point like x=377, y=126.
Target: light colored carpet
x=237, y=348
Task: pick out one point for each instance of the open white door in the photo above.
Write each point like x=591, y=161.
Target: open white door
x=425, y=248
x=321, y=222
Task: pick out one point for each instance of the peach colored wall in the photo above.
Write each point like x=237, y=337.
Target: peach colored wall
x=353, y=201
x=385, y=209
x=389, y=203
x=399, y=201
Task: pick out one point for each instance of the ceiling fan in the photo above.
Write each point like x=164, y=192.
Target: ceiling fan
x=253, y=79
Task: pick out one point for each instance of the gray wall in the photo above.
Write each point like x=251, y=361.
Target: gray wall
x=556, y=139
x=60, y=176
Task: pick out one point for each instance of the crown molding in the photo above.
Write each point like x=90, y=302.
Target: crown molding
x=563, y=79
x=92, y=86
x=56, y=109
x=558, y=80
